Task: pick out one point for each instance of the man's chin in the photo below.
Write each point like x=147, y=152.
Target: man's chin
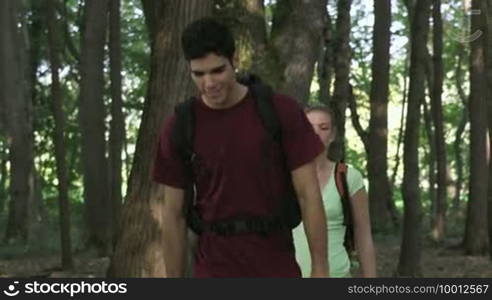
x=215, y=101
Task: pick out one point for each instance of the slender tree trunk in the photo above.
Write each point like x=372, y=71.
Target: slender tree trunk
x=411, y=250
x=117, y=131
x=16, y=97
x=92, y=123
x=457, y=144
x=439, y=218
x=430, y=156
x=476, y=233
x=402, y=120
x=342, y=70
x=296, y=35
x=138, y=248
x=487, y=23
x=325, y=61
x=429, y=130
x=3, y=177
x=57, y=108
x=377, y=158
x=72, y=49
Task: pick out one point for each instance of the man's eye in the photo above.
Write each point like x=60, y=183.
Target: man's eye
x=217, y=71
x=197, y=74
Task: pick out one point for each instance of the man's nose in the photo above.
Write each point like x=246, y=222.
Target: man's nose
x=208, y=80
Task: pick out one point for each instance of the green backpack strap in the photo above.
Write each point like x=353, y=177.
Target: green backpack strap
x=342, y=188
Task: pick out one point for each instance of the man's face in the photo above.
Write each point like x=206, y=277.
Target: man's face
x=214, y=77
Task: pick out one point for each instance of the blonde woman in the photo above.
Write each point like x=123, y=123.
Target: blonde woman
x=339, y=261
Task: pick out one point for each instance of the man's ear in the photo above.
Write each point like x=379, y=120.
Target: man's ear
x=235, y=60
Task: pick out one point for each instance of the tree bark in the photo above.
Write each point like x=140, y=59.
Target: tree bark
x=92, y=123
x=117, y=130
x=138, y=247
x=377, y=158
x=14, y=77
x=402, y=118
x=487, y=23
x=296, y=35
x=254, y=22
x=439, y=218
x=3, y=177
x=152, y=10
x=342, y=70
x=476, y=236
x=430, y=156
x=457, y=144
x=57, y=109
x=326, y=61
x=410, y=255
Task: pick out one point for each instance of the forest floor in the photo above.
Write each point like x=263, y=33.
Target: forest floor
x=444, y=261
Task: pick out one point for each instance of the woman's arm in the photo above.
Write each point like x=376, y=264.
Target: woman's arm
x=362, y=233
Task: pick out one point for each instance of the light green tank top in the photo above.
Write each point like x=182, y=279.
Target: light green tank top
x=338, y=258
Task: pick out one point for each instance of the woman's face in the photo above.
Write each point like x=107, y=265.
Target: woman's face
x=321, y=122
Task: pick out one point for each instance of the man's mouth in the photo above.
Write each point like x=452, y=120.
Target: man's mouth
x=214, y=93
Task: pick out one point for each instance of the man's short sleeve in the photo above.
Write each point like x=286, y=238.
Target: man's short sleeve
x=168, y=166
x=300, y=143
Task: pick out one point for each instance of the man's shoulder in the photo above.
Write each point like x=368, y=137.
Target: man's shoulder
x=285, y=103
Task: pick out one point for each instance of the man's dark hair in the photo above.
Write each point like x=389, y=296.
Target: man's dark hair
x=207, y=35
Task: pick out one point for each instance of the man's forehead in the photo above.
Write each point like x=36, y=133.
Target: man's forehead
x=208, y=62
x=206, y=68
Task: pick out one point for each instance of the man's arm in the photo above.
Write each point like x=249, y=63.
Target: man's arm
x=313, y=215
x=174, y=231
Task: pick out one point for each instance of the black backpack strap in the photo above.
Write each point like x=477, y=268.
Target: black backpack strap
x=183, y=133
x=263, y=95
x=290, y=210
x=182, y=139
x=342, y=188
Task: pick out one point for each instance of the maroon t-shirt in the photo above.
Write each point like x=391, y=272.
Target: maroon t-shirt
x=238, y=172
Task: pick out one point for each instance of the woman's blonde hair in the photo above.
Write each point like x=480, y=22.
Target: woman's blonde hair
x=325, y=109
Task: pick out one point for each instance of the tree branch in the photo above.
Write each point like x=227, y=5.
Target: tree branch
x=363, y=134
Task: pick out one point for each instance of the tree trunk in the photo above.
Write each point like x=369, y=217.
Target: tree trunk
x=60, y=150
x=342, y=70
x=16, y=98
x=402, y=119
x=92, y=123
x=117, y=131
x=325, y=61
x=458, y=144
x=430, y=156
x=296, y=35
x=439, y=217
x=3, y=177
x=138, y=248
x=152, y=10
x=476, y=236
x=377, y=158
x=262, y=63
x=410, y=255
x=429, y=130
x=487, y=23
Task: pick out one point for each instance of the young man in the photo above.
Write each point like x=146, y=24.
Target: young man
x=237, y=172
